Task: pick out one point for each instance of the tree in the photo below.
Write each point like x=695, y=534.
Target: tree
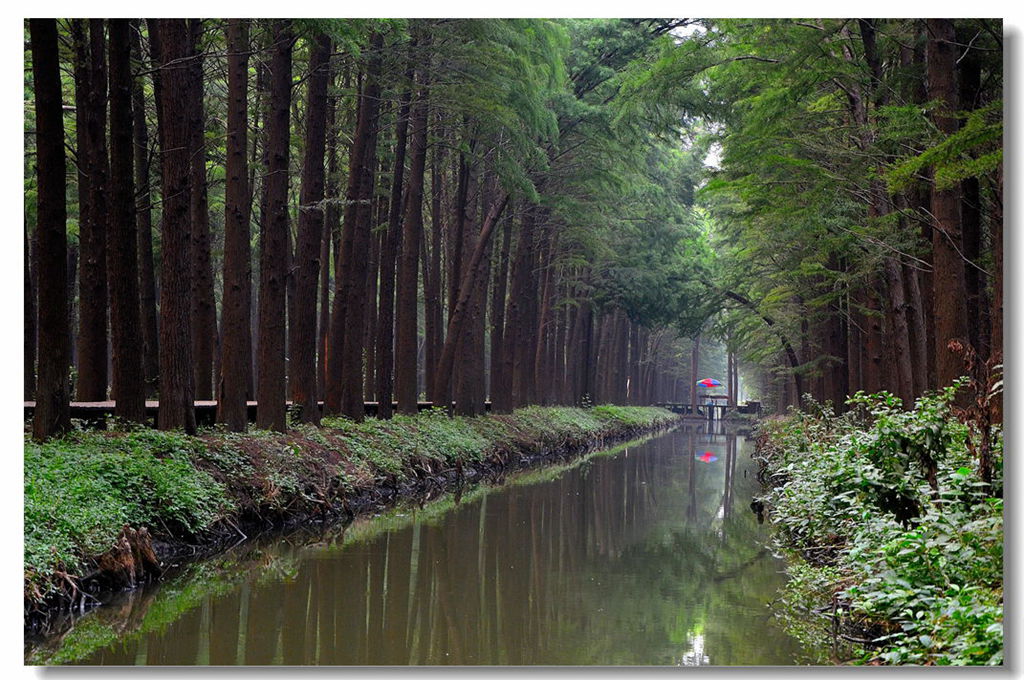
x=391, y=246
x=204, y=312
x=344, y=393
x=52, y=413
x=144, y=222
x=92, y=327
x=122, y=265
x=177, y=391
x=950, y=289
x=270, y=387
x=236, y=343
x=412, y=228
x=310, y=235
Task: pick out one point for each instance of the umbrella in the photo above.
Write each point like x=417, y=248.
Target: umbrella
x=709, y=382
x=707, y=457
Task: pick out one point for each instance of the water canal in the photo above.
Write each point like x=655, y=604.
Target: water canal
x=644, y=554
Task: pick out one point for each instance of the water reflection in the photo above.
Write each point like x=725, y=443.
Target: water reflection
x=632, y=558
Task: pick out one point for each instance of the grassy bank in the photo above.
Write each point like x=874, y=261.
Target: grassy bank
x=98, y=502
x=896, y=544
x=136, y=613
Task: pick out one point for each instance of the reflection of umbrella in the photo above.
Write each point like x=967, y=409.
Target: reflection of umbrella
x=709, y=382
x=707, y=457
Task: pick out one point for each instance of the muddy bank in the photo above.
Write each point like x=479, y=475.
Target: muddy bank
x=262, y=482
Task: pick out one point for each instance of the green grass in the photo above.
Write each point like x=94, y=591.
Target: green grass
x=82, y=489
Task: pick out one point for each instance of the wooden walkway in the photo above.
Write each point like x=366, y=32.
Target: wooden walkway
x=96, y=412
x=715, y=411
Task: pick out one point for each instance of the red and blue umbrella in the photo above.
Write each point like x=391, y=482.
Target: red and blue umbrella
x=709, y=382
x=707, y=457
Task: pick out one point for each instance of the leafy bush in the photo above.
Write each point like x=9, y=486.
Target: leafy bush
x=893, y=502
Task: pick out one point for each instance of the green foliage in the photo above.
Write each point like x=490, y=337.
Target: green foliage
x=82, y=489
x=888, y=502
x=972, y=151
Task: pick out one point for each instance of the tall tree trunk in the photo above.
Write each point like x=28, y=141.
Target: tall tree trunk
x=622, y=359
x=29, y=313
x=432, y=308
x=901, y=332
x=345, y=362
x=406, y=344
x=302, y=328
x=122, y=266
x=470, y=398
x=328, y=251
x=974, y=280
x=521, y=313
x=52, y=414
x=499, y=387
x=80, y=42
x=144, y=225
x=474, y=274
x=541, y=376
x=389, y=254
x=949, y=287
x=997, y=286
x=270, y=387
x=372, y=298
x=173, y=97
x=92, y=328
x=236, y=344
x=204, y=311
x=872, y=362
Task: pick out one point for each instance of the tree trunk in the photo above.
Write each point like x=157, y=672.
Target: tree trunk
x=52, y=413
x=236, y=344
x=873, y=346
x=372, y=299
x=176, y=387
x=901, y=332
x=997, y=287
x=499, y=387
x=29, y=316
x=328, y=251
x=92, y=327
x=302, y=328
x=474, y=272
x=270, y=387
x=122, y=266
x=520, y=341
x=543, y=317
x=204, y=312
x=389, y=253
x=345, y=362
x=144, y=226
x=974, y=280
x=469, y=399
x=406, y=344
x=432, y=308
x=949, y=287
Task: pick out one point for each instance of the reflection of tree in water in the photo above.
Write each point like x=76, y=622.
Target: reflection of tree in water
x=631, y=559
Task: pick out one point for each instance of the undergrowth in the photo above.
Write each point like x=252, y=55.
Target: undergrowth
x=83, y=489
x=897, y=542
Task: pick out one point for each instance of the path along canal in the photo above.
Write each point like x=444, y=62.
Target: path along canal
x=644, y=554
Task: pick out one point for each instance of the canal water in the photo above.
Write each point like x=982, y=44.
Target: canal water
x=644, y=554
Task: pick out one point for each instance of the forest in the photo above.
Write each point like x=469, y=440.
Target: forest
x=293, y=220
x=515, y=210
